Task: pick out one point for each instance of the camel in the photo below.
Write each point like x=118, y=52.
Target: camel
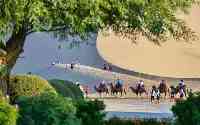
x=115, y=90
x=138, y=91
x=176, y=90
x=163, y=88
x=101, y=90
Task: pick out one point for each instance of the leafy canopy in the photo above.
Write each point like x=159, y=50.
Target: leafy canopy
x=187, y=112
x=90, y=112
x=47, y=109
x=154, y=19
x=8, y=113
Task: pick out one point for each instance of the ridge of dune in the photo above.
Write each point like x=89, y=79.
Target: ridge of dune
x=172, y=59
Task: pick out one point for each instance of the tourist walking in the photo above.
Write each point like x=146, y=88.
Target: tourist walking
x=153, y=93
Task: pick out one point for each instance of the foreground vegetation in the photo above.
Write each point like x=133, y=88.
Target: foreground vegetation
x=66, y=89
x=56, y=107
x=154, y=19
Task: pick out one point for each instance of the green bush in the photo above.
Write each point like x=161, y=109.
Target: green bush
x=28, y=85
x=8, y=113
x=47, y=109
x=67, y=89
x=3, y=70
x=187, y=112
x=90, y=112
x=118, y=121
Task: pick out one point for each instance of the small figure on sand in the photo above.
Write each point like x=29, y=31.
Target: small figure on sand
x=107, y=67
x=74, y=63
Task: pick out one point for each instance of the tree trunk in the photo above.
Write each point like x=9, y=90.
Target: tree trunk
x=14, y=47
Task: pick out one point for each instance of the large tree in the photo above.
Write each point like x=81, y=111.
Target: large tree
x=154, y=19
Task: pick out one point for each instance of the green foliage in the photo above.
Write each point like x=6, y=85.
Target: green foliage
x=90, y=112
x=153, y=18
x=118, y=121
x=2, y=45
x=47, y=109
x=187, y=112
x=8, y=113
x=28, y=85
x=67, y=89
x=3, y=70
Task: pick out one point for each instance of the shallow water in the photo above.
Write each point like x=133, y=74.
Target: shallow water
x=140, y=115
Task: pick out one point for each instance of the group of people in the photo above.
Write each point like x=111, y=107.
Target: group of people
x=155, y=92
x=118, y=83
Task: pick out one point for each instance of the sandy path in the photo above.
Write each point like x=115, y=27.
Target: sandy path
x=172, y=59
x=128, y=79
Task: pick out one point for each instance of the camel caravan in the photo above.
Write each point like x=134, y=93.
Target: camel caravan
x=156, y=92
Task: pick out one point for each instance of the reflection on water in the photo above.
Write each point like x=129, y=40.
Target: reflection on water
x=139, y=115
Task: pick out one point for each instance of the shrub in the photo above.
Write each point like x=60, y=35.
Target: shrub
x=28, y=85
x=8, y=113
x=47, y=109
x=67, y=89
x=3, y=70
x=187, y=112
x=90, y=112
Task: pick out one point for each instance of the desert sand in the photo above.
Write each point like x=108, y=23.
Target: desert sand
x=175, y=59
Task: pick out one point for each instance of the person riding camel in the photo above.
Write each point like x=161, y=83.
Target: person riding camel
x=162, y=83
x=102, y=84
x=181, y=84
x=119, y=83
x=140, y=85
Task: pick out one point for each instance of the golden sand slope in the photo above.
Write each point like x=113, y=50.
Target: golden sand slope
x=172, y=59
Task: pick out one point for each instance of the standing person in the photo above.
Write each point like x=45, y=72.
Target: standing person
x=87, y=90
x=158, y=95
x=104, y=66
x=181, y=84
x=109, y=68
x=172, y=93
x=72, y=66
x=153, y=93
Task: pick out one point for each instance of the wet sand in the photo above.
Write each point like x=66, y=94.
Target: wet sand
x=135, y=107
x=172, y=59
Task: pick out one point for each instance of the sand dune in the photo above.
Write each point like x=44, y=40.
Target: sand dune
x=172, y=59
